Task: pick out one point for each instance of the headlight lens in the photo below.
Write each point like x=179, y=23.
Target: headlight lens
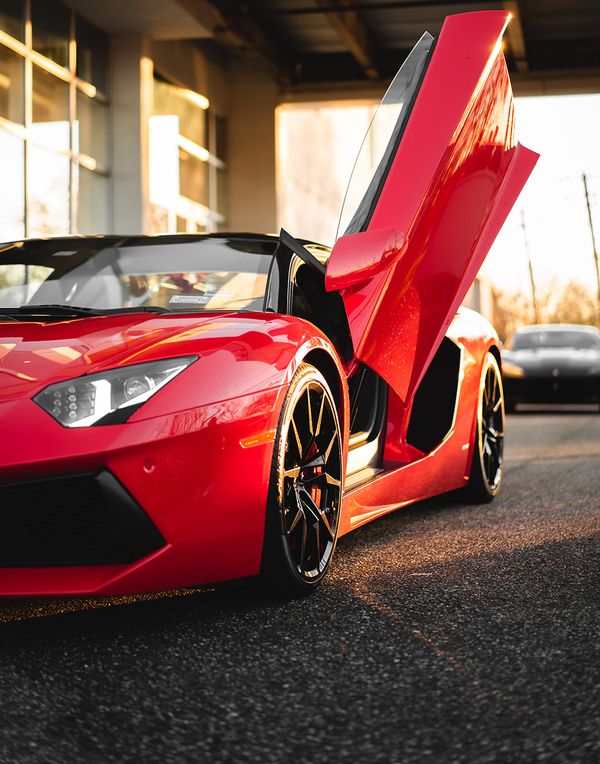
x=511, y=370
x=109, y=397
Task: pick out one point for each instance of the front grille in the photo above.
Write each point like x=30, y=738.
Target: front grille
x=561, y=389
x=77, y=520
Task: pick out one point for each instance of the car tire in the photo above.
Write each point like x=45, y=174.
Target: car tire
x=485, y=476
x=305, y=492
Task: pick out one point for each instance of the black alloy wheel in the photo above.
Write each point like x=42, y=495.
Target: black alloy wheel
x=305, y=498
x=486, y=470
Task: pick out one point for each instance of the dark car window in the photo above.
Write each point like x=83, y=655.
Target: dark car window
x=204, y=274
x=555, y=339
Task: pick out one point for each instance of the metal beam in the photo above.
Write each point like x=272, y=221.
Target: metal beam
x=554, y=82
x=332, y=7
x=515, y=36
x=156, y=19
x=353, y=33
x=234, y=19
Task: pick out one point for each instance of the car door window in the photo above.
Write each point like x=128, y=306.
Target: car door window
x=381, y=140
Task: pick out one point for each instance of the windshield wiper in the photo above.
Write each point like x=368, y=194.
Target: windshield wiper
x=77, y=311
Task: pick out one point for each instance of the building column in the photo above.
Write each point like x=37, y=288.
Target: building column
x=252, y=200
x=131, y=98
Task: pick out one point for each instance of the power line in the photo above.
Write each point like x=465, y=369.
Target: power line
x=531, y=278
x=594, y=248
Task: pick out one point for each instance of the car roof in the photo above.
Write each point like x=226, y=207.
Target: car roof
x=532, y=328
x=174, y=237
x=320, y=251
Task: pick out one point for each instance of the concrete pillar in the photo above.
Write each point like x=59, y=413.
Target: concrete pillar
x=131, y=97
x=251, y=195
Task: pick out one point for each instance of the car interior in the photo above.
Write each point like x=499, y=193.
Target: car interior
x=433, y=409
x=368, y=392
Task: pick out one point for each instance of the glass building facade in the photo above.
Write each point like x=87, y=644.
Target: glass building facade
x=53, y=121
x=56, y=141
x=187, y=161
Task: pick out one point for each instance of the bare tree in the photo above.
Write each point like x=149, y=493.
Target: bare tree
x=571, y=303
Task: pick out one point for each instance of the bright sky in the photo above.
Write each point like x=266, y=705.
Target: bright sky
x=318, y=143
x=565, y=131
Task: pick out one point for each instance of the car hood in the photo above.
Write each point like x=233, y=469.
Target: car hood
x=547, y=361
x=34, y=354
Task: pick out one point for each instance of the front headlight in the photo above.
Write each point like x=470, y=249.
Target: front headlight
x=109, y=397
x=510, y=370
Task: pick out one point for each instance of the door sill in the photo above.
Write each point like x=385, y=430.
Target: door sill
x=362, y=476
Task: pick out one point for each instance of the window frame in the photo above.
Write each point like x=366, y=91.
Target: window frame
x=196, y=213
x=26, y=132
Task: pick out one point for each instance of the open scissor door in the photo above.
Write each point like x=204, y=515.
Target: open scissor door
x=448, y=171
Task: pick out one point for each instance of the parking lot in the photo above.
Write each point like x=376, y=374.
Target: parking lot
x=446, y=633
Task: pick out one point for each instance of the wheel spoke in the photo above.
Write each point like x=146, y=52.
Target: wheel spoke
x=327, y=526
x=488, y=392
x=330, y=446
x=492, y=395
x=317, y=527
x=491, y=470
x=316, y=461
x=330, y=480
x=299, y=516
x=309, y=504
x=293, y=472
x=303, y=544
x=297, y=437
x=320, y=419
x=298, y=500
x=310, y=418
x=316, y=512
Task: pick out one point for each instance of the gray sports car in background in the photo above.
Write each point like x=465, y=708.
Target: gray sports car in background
x=552, y=363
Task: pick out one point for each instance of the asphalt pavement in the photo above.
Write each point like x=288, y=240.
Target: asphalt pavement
x=446, y=633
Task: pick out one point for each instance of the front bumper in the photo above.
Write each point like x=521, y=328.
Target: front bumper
x=196, y=482
x=565, y=389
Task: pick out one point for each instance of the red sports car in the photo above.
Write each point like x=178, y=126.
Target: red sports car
x=189, y=409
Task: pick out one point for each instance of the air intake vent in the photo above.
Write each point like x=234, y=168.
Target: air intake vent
x=78, y=520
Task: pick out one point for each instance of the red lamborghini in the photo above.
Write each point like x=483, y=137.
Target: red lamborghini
x=178, y=410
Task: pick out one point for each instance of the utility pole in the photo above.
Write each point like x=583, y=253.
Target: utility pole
x=589, y=212
x=531, y=279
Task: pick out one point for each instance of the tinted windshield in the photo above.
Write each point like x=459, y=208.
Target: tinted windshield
x=555, y=339
x=204, y=274
x=381, y=141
